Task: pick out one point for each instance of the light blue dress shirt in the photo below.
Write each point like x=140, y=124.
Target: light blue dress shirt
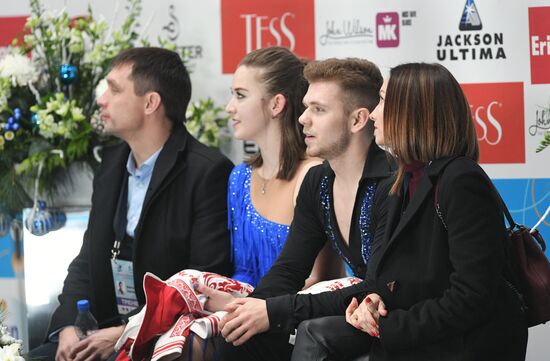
x=138, y=182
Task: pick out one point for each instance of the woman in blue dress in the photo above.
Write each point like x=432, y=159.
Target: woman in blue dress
x=266, y=101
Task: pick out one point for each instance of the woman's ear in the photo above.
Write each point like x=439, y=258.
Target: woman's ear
x=360, y=118
x=152, y=102
x=277, y=105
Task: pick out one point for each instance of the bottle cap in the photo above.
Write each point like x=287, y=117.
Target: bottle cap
x=83, y=305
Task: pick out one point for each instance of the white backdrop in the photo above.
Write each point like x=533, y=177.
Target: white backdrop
x=217, y=33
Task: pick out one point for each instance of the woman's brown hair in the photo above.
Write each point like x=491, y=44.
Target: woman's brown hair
x=426, y=117
x=281, y=72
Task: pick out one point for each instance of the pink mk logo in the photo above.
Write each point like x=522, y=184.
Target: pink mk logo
x=387, y=30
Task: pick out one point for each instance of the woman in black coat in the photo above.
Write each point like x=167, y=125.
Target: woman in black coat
x=439, y=282
x=436, y=289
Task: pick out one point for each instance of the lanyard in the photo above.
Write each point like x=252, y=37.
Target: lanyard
x=120, y=221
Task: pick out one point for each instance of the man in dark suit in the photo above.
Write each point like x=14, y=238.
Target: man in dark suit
x=159, y=203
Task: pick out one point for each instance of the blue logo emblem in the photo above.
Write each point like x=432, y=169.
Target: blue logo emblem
x=470, y=19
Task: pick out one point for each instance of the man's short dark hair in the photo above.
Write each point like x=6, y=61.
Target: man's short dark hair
x=162, y=71
x=359, y=79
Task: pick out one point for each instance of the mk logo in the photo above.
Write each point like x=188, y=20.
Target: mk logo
x=387, y=30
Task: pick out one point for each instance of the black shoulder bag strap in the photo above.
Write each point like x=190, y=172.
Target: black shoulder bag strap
x=512, y=225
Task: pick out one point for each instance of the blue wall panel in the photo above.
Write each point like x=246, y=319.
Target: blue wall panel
x=527, y=200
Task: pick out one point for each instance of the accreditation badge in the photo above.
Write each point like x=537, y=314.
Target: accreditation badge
x=125, y=292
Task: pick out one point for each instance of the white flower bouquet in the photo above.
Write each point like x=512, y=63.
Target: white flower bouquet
x=49, y=83
x=206, y=122
x=48, y=115
x=10, y=348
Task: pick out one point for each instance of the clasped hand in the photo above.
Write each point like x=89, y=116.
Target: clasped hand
x=245, y=317
x=97, y=346
x=365, y=316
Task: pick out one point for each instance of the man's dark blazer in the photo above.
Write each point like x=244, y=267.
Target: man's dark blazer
x=183, y=224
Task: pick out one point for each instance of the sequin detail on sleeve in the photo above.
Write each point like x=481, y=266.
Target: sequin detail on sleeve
x=365, y=221
x=326, y=206
x=256, y=241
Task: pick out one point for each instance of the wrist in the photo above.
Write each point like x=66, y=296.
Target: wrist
x=66, y=330
x=116, y=331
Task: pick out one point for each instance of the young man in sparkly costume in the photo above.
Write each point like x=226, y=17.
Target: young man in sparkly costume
x=336, y=204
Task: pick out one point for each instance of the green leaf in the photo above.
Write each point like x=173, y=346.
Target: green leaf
x=39, y=146
x=545, y=142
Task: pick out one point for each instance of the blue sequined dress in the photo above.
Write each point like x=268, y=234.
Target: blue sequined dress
x=256, y=241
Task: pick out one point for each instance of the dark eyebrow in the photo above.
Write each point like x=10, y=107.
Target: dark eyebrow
x=113, y=84
x=238, y=89
x=313, y=103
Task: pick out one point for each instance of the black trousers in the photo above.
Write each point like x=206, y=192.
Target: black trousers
x=268, y=346
x=330, y=338
x=327, y=338
x=47, y=351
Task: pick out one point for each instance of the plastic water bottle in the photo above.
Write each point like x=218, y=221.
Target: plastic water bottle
x=85, y=323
